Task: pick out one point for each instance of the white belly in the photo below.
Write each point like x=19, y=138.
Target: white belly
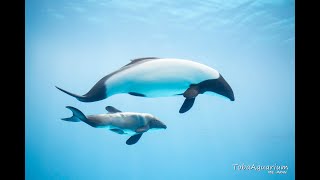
x=159, y=78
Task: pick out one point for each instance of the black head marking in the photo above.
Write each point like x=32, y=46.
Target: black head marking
x=219, y=86
x=157, y=124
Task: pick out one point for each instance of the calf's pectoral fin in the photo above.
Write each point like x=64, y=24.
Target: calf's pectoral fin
x=134, y=139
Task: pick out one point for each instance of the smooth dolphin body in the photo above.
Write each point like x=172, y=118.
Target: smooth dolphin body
x=128, y=123
x=160, y=77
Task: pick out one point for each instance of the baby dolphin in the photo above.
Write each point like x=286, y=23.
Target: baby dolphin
x=160, y=77
x=128, y=123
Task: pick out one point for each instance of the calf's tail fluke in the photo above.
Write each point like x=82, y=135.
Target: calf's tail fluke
x=77, y=115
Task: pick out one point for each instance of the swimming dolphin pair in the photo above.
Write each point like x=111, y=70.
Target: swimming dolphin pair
x=128, y=123
x=160, y=77
x=149, y=77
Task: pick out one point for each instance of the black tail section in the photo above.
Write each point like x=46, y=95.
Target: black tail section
x=77, y=115
x=80, y=98
x=97, y=93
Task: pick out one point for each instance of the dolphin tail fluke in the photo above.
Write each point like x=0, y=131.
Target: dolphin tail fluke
x=80, y=98
x=77, y=115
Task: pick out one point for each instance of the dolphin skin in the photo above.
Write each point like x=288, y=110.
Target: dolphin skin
x=160, y=77
x=127, y=123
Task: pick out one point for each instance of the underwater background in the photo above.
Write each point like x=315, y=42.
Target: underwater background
x=73, y=44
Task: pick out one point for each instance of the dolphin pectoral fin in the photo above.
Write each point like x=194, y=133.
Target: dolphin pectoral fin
x=142, y=129
x=187, y=104
x=112, y=109
x=134, y=139
x=136, y=94
x=191, y=92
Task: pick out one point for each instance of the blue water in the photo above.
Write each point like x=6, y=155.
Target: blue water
x=72, y=44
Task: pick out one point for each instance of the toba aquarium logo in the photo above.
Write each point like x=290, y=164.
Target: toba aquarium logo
x=271, y=169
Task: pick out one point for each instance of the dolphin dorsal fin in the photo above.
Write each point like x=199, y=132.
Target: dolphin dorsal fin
x=134, y=61
x=144, y=58
x=112, y=109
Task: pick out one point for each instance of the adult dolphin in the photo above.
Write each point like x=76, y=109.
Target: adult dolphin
x=160, y=77
x=128, y=123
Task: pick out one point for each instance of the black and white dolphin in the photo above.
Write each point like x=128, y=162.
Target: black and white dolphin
x=160, y=77
x=128, y=123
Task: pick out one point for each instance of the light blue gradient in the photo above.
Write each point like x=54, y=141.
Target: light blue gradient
x=72, y=44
